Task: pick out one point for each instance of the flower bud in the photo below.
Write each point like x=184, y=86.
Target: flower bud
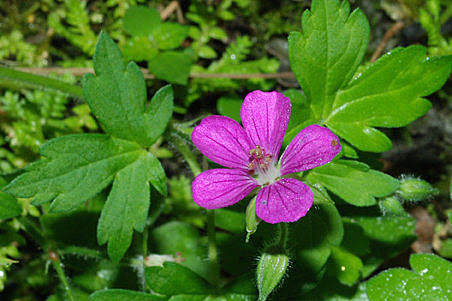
x=252, y=221
x=391, y=206
x=415, y=190
x=272, y=266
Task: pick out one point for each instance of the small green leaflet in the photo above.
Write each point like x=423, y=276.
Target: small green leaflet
x=117, y=97
x=354, y=182
x=387, y=93
x=141, y=20
x=172, y=66
x=150, y=37
x=431, y=277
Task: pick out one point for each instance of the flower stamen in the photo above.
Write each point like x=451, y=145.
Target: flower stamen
x=262, y=165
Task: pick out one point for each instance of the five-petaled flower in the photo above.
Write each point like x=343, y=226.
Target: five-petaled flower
x=251, y=153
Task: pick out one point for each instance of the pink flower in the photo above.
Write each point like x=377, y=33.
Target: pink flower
x=251, y=153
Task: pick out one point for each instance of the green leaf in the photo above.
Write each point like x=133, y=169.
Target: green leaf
x=329, y=289
x=312, y=236
x=345, y=266
x=388, y=229
x=354, y=182
x=217, y=33
x=128, y=204
x=430, y=279
x=172, y=66
x=355, y=240
x=230, y=106
x=77, y=228
x=387, y=94
x=117, y=96
x=140, y=20
x=173, y=279
x=301, y=115
x=229, y=220
x=121, y=295
x=206, y=52
x=325, y=56
x=74, y=169
x=139, y=48
x=180, y=238
x=446, y=248
x=169, y=35
x=9, y=207
x=159, y=111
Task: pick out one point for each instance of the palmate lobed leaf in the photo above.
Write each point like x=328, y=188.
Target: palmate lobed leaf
x=77, y=167
x=388, y=93
x=117, y=97
x=74, y=169
x=325, y=56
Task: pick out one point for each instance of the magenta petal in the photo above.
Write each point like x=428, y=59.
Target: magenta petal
x=222, y=140
x=313, y=146
x=265, y=116
x=217, y=188
x=287, y=200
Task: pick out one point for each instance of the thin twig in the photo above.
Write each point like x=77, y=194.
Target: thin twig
x=147, y=75
x=168, y=10
x=392, y=31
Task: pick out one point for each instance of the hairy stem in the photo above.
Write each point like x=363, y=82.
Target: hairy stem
x=182, y=146
x=58, y=266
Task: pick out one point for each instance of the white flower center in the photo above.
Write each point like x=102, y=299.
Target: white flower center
x=263, y=165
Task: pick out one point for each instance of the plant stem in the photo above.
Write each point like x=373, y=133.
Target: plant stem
x=37, y=235
x=185, y=151
x=283, y=235
x=57, y=265
x=140, y=266
x=182, y=147
x=18, y=79
x=147, y=75
x=214, y=268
